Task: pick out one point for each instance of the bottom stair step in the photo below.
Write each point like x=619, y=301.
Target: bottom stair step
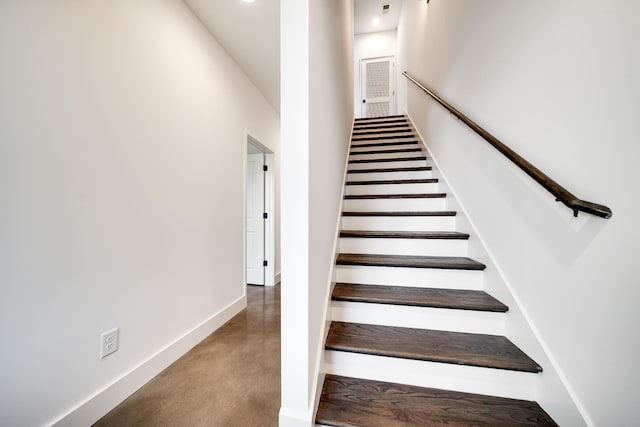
x=356, y=402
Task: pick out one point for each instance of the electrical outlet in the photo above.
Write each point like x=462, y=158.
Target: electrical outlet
x=109, y=342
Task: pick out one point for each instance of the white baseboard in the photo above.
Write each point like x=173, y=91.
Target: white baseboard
x=98, y=405
x=289, y=418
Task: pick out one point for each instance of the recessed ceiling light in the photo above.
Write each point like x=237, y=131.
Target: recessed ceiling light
x=248, y=1
x=376, y=22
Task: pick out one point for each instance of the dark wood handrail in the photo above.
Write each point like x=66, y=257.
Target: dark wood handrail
x=562, y=194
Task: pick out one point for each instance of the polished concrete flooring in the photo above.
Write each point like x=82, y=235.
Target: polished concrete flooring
x=232, y=378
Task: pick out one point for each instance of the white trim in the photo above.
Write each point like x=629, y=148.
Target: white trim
x=276, y=277
x=270, y=278
x=255, y=199
x=289, y=418
x=270, y=224
x=320, y=365
x=98, y=405
x=245, y=159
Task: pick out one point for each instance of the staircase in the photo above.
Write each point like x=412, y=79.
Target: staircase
x=414, y=340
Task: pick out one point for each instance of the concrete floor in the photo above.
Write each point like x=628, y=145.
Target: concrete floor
x=232, y=378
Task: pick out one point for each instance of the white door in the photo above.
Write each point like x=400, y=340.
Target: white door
x=377, y=84
x=255, y=219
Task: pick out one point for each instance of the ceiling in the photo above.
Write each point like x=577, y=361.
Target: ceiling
x=365, y=11
x=250, y=33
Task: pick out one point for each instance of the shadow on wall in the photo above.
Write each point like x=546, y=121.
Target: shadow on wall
x=425, y=59
x=566, y=236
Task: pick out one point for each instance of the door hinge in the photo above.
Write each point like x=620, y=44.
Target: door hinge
x=265, y=215
x=265, y=263
x=265, y=168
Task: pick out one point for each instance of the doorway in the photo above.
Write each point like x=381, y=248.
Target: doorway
x=259, y=224
x=377, y=83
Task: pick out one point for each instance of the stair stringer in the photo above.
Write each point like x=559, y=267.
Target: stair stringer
x=320, y=367
x=553, y=391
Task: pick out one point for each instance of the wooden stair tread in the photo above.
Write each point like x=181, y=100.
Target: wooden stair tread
x=401, y=125
x=410, y=261
x=448, y=235
x=460, y=348
x=392, y=117
x=400, y=213
x=456, y=299
x=394, y=181
x=375, y=137
x=379, y=130
x=396, y=150
x=396, y=126
x=388, y=160
x=356, y=402
x=395, y=196
x=385, y=144
x=403, y=169
x=366, y=126
x=407, y=132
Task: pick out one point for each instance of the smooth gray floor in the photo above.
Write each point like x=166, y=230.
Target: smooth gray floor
x=232, y=378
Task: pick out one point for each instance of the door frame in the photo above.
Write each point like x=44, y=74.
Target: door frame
x=255, y=221
x=269, y=206
x=363, y=90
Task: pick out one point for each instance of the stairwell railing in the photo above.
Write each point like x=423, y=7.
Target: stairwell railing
x=561, y=194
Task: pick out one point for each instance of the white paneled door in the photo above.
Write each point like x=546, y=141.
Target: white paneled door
x=378, y=86
x=255, y=219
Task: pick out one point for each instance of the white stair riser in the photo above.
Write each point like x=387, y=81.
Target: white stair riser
x=356, y=156
x=387, y=165
x=371, y=245
x=399, y=223
x=416, y=277
x=374, y=121
x=357, y=133
x=356, y=149
x=398, y=126
x=356, y=138
x=392, y=188
x=390, y=138
x=377, y=176
x=470, y=379
x=476, y=322
x=398, y=118
x=390, y=205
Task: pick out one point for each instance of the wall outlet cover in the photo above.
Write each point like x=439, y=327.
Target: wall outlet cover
x=109, y=342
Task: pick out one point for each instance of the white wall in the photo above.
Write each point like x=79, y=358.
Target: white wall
x=294, y=203
x=316, y=115
x=557, y=81
x=121, y=184
x=330, y=124
x=371, y=45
